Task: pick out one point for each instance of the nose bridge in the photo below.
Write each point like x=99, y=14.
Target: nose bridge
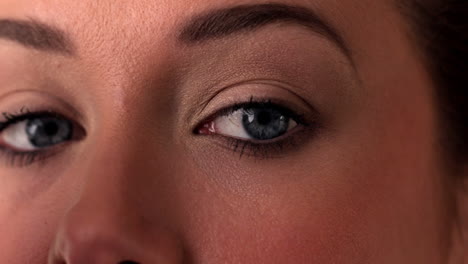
x=125, y=157
x=125, y=150
x=108, y=170
x=121, y=166
x=113, y=219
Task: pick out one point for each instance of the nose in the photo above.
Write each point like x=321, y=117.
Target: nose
x=97, y=240
x=111, y=221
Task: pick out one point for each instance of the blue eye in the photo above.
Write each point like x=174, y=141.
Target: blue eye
x=259, y=128
x=33, y=133
x=46, y=132
x=252, y=121
x=265, y=123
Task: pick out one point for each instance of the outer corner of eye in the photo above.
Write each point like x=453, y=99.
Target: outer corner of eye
x=12, y=138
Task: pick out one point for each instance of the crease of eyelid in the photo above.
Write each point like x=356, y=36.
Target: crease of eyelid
x=199, y=106
x=75, y=114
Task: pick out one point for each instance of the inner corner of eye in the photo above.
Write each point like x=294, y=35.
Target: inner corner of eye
x=205, y=128
x=292, y=123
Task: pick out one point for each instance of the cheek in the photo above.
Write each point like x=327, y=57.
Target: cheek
x=287, y=227
x=327, y=240
x=26, y=235
x=30, y=212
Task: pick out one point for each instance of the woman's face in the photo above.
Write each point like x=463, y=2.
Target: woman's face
x=196, y=131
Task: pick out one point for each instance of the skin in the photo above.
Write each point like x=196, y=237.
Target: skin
x=369, y=186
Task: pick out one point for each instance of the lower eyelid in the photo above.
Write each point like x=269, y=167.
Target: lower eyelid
x=23, y=159
x=271, y=149
x=248, y=148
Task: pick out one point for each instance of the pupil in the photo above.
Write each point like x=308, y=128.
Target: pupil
x=46, y=132
x=51, y=128
x=263, y=118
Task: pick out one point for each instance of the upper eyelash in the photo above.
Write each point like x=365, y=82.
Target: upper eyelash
x=262, y=150
x=24, y=114
x=23, y=111
x=244, y=147
x=23, y=159
x=265, y=103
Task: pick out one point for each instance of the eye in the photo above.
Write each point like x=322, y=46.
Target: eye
x=254, y=121
x=31, y=133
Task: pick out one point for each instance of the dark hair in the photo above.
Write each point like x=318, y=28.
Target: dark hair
x=442, y=27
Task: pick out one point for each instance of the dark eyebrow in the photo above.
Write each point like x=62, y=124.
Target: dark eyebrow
x=246, y=18
x=36, y=35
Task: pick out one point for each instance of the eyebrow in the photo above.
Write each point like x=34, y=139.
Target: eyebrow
x=247, y=18
x=36, y=35
x=212, y=25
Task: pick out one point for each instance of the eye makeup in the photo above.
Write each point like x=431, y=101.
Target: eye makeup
x=32, y=124
x=23, y=157
x=264, y=149
x=264, y=97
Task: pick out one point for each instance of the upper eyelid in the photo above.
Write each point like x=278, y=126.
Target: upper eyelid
x=78, y=131
x=297, y=115
x=293, y=115
x=278, y=91
x=15, y=118
x=283, y=85
x=298, y=118
x=49, y=102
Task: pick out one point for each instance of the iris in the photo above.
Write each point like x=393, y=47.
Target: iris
x=265, y=123
x=48, y=131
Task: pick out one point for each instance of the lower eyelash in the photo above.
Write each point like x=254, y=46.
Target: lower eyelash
x=266, y=150
x=22, y=159
x=259, y=150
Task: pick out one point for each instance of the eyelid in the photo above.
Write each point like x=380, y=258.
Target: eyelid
x=25, y=114
x=270, y=149
x=13, y=118
x=20, y=158
x=261, y=103
x=39, y=101
x=258, y=91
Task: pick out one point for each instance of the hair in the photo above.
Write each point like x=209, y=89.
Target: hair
x=442, y=27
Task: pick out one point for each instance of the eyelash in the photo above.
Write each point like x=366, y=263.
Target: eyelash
x=259, y=150
x=263, y=150
x=23, y=159
x=265, y=103
x=22, y=115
